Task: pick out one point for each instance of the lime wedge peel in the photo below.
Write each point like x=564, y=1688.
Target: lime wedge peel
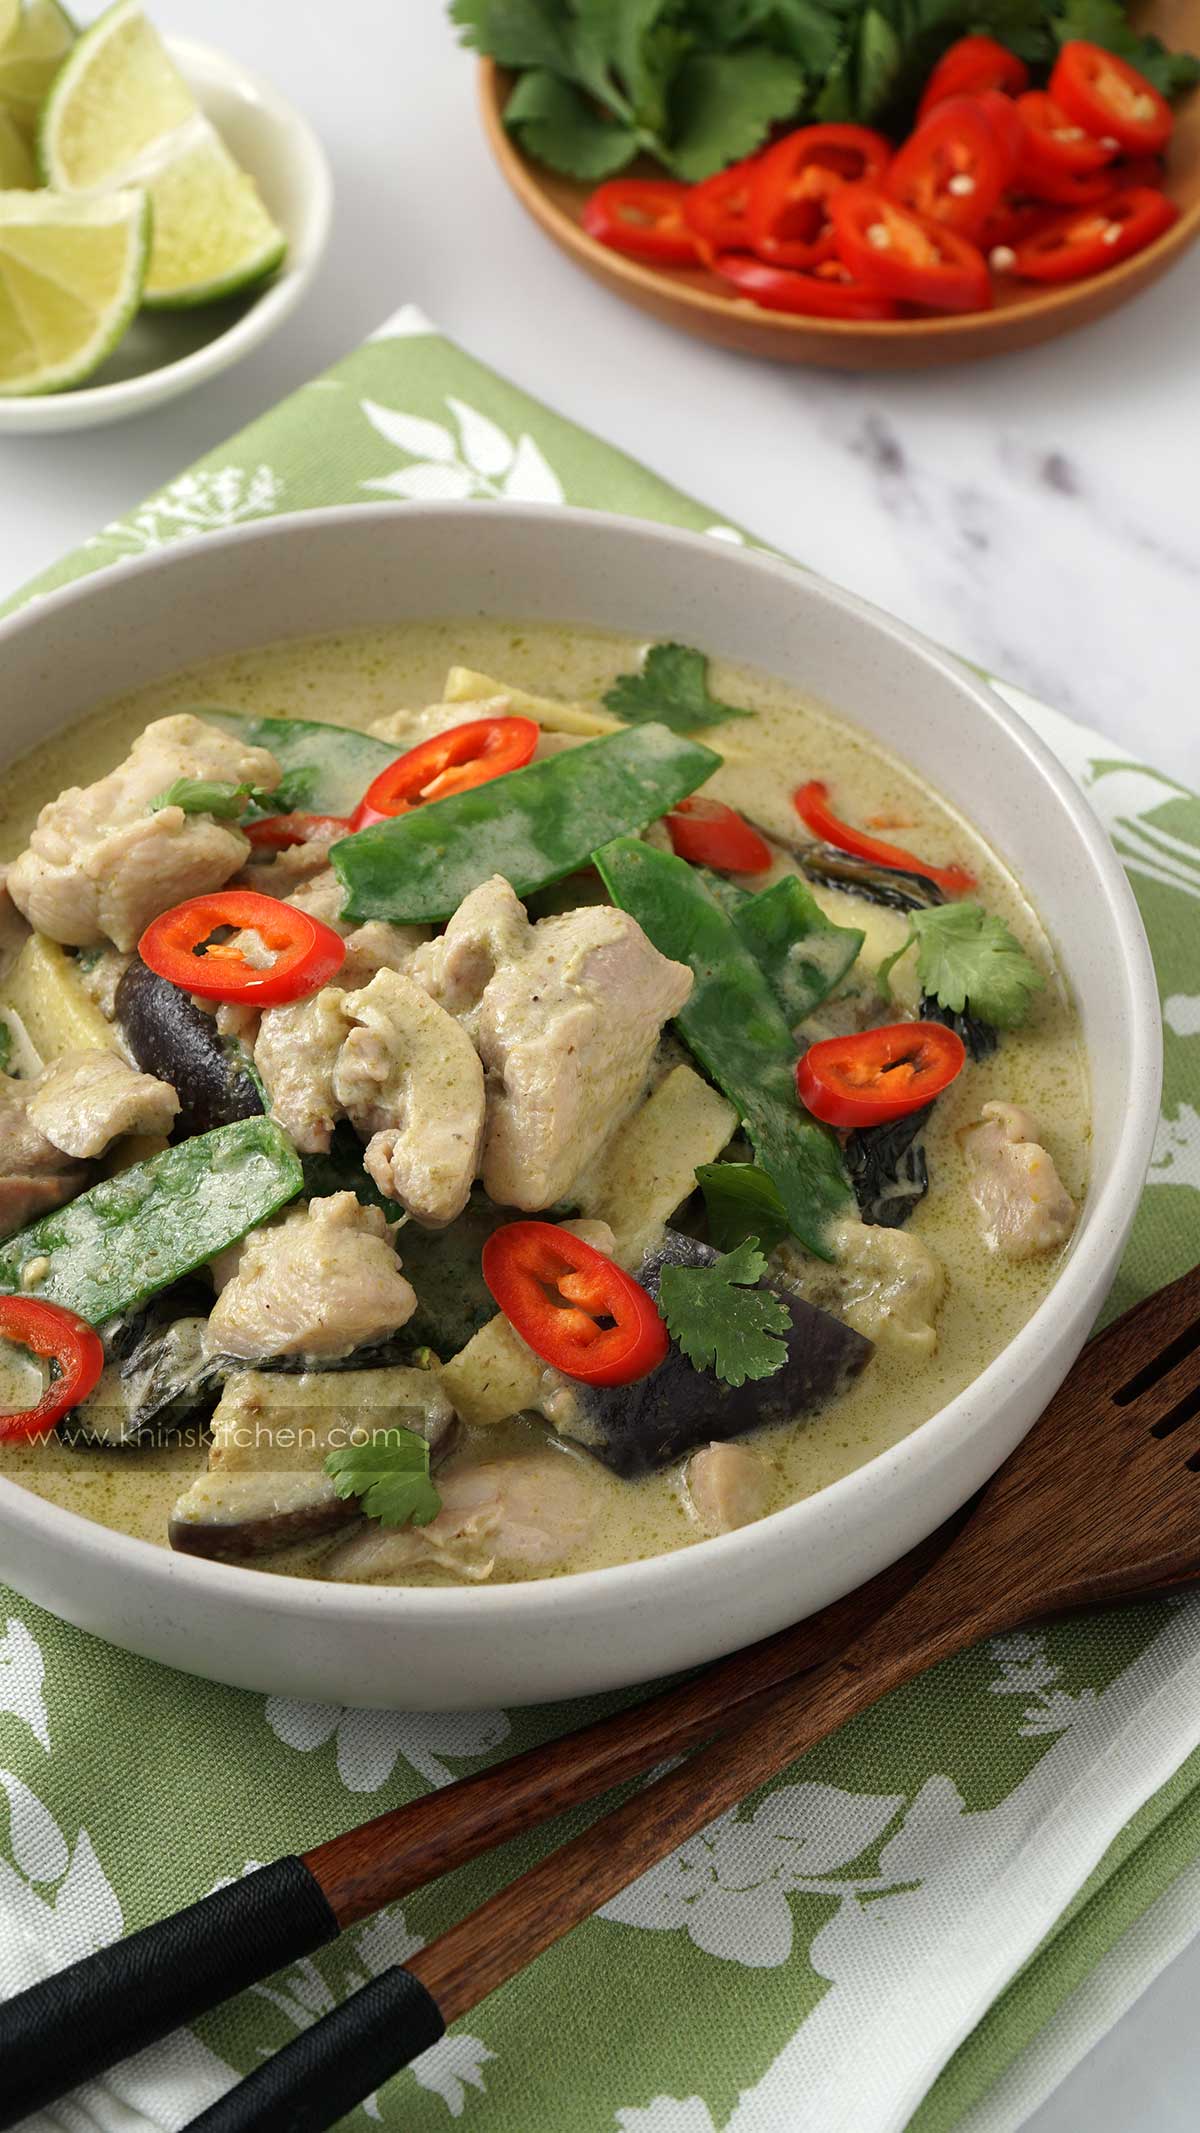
x=71, y=274
x=120, y=114
x=30, y=56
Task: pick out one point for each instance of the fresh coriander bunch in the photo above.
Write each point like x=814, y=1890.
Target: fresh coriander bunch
x=601, y=81
x=697, y=84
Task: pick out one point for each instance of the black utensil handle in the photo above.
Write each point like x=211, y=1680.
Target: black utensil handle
x=81, y=2021
x=331, y=2066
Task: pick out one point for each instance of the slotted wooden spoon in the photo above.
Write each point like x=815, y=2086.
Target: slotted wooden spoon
x=1100, y=1502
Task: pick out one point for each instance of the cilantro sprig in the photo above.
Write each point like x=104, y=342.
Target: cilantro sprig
x=722, y=1321
x=229, y=802
x=603, y=81
x=671, y=687
x=390, y=1474
x=699, y=83
x=967, y=956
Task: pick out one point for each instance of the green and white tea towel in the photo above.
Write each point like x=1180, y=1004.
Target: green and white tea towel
x=921, y=1925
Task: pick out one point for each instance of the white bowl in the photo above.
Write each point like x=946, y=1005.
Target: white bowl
x=366, y=565
x=168, y=352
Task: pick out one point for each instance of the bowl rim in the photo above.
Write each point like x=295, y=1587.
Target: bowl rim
x=1074, y=1296
x=1045, y=301
x=274, y=302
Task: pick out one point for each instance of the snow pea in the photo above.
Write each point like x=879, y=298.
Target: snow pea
x=736, y=1028
x=533, y=826
x=802, y=953
x=138, y=1232
x=340, y=762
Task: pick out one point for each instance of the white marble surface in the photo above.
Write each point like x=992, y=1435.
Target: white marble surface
x=1038, y=513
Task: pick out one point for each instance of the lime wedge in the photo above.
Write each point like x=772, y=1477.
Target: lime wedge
x=31, y=56
x=212, y=235
x=121, y=114
x=70, y=281
x=10, y=15
x=17, y=166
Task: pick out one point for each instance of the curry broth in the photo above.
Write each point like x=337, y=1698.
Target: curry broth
x=353, y=679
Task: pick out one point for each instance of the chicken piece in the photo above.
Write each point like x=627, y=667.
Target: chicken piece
x=378, y=945
x=99, y=866
x=34, y=1175
x=243, y=1023
x=567, y=1034
x=86, y=1100
x=323, y=1282
x=375, y=945
x=1026, y=1207
x=322, y=898
x=884, y=1282
x=409, y=1079
x=296, y=1052
x=726, y=1486
x=527, y=1513
x=489, y=930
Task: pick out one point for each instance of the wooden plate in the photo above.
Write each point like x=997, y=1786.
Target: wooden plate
x=692, y=300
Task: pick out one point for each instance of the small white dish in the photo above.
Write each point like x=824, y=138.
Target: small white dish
x=166, y=353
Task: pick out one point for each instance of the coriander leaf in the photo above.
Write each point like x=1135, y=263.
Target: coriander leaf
x=741, y=1201
x=1104, y=22
x=834, y=103
x=880, y=58
x=390, y=1473
x=6, y=1045
x=672, y=688
x=294, y=790
x=636, y=42
x=966, y=954
x=228, y=802
x=517, y=33
x=556, y=123
x=811, y=32
x=723, y=105
x=721, y=1320
x=204, y=796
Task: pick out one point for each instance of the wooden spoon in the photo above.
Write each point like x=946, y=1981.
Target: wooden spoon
x=1100, y=1502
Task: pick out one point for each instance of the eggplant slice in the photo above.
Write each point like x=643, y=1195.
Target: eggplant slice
x=265, y=1485
x=635, y=1429
x=174, y=1039
x=157, y=1379
x=890, y=886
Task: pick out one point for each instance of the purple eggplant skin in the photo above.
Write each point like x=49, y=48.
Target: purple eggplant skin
x=636, y=1429
x=240, y=1540
x=174, y=1039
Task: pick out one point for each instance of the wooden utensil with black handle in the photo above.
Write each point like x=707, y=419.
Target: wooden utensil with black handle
x=1100, y=1502
x=77, y=2023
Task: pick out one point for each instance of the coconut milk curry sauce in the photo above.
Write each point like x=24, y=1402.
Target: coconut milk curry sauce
x=331, y=1392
